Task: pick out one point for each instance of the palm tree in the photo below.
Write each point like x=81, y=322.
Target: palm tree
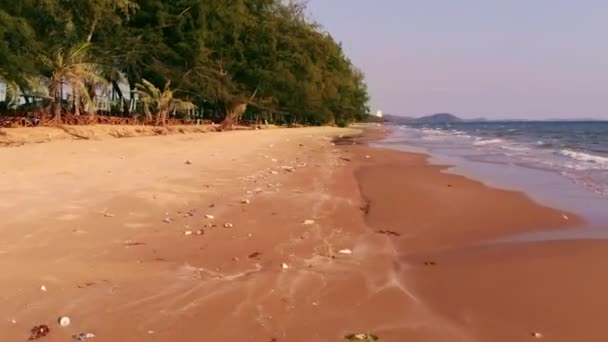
x=31, y=86
x=74, y=67
x=162, y=102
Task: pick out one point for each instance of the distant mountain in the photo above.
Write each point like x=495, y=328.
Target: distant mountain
x=438, y=118
x=435, y=118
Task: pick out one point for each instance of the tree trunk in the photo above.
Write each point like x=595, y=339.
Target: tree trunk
x=117, y=90
x=57, y=110
x=161, y=118
x=147, y=112
x=90, y=107
x=233, y=114
x=25, y=97
x=76, y=102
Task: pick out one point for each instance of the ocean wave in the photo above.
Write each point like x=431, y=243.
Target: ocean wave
x=516, y=148
x=433, y=131
x=488, y=142
x=586, y=157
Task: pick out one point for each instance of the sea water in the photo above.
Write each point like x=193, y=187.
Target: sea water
x=561, y=164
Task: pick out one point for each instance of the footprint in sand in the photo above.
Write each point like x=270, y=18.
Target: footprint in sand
x=67, y=217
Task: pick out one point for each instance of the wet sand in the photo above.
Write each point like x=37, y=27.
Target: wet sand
x=105, y=227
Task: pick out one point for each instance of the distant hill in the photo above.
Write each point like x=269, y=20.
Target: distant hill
x=435, y=118
x=438, y=118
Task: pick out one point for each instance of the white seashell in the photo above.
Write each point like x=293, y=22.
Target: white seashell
x=64, y=321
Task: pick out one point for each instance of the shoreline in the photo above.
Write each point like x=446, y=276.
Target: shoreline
x=116, y=246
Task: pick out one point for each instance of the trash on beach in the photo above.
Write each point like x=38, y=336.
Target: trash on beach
x=39, y=331
x=209, y=217
x=133, y=243
x=254, y=255
x=536, y=335
x=188, y=232
x=228, y=225
x=284, y=266
x=43, y=288
x=83, y=336
x=308, y=222
x=345, y=251
x=362, y=337
x=64, y=321
x=565, y=217
x=167, y=220
x=388, y=232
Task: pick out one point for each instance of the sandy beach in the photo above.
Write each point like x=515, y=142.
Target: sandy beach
x=279, y=235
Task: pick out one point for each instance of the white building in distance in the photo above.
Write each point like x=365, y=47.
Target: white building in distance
x=379, y=113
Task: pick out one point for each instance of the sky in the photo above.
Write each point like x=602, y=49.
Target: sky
x=533, y=59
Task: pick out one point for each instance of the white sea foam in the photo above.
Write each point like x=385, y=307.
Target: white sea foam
x=581, y=156
x=516, y=148
x=487, y=142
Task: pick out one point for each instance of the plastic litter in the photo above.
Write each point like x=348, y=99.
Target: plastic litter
x=39, y=331
x=83, y=336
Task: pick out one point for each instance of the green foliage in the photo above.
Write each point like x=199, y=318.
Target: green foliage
x=161, y=102
x=237, y=59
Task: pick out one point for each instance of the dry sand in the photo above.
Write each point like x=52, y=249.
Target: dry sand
x=104, y=227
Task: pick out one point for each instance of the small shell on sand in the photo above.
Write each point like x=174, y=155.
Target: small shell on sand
x=308, y=222
x=228, y=225
x=284, y=266
x=64, y=321
x=565, y=217
x=188, y=232
x=345, y=251
x=210, y=217
x=536, y=335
